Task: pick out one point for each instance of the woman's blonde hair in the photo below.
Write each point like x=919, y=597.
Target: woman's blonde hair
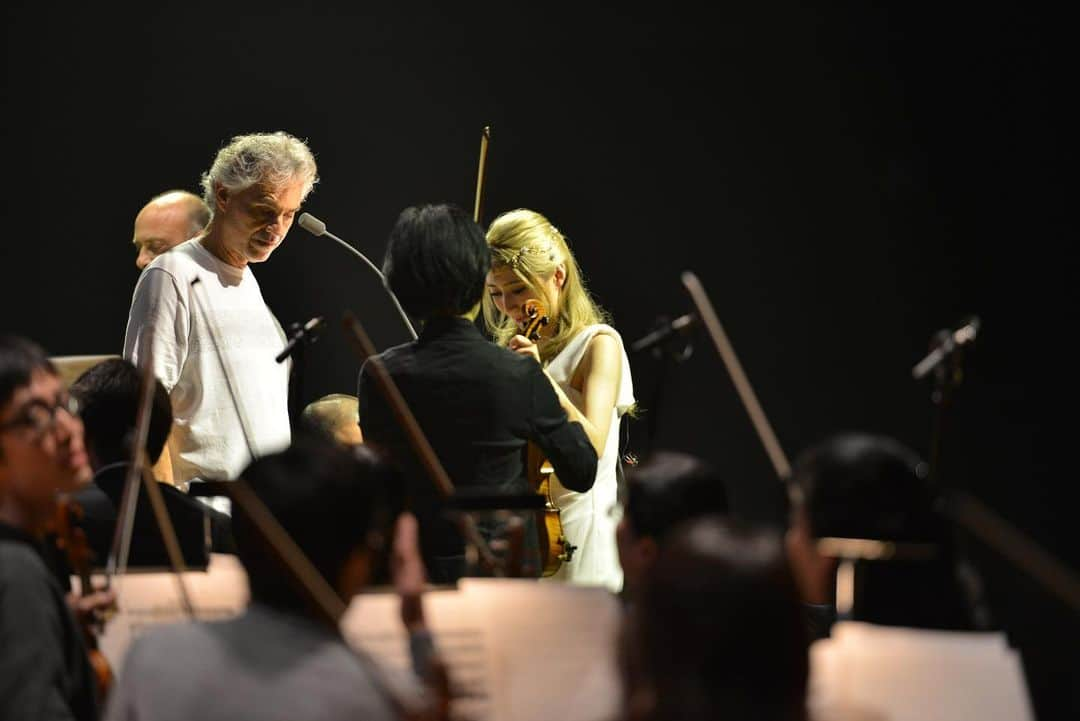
x=527, y=243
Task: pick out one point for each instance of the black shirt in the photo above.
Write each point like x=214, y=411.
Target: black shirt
x=100, y=500
x=479, y=405
x=44, y=670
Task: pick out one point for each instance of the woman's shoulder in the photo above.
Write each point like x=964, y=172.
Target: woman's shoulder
x=598, y=335
x=587, y=333
x=590, y=341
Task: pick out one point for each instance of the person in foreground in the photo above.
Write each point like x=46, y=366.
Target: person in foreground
x=870, y=487
x=910, y=640
x=668, y=488
x=44, y=669
x=715, y=630
x=283, y=659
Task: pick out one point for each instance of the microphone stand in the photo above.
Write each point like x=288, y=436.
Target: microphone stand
x=302, y=336
x=945, y=362
x=317, y=228
x=669, y=354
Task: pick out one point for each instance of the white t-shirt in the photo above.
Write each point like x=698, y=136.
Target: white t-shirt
x=183, y=324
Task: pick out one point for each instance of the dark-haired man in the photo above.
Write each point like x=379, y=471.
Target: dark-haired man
x=478, y=404
x=108, y=394
x=44, y=671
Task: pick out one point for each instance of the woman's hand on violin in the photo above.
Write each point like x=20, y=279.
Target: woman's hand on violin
x=523, y=346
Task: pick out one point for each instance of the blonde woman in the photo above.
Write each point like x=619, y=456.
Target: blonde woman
x=586, y=362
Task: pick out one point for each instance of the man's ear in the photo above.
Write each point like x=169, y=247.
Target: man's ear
x=221, y=197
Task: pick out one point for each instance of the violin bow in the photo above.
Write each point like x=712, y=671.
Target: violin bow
x=485, y=138
x=365, y=352
x=139, y=469
x=738, y=376
x=292, y=559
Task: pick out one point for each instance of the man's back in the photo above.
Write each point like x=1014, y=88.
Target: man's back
x=478, y=405
x=265, y=664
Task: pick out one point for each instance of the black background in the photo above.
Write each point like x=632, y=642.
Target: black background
x=844, y=180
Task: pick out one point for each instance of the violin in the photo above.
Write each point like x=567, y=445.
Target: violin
x=555, y=549
x=71, y=540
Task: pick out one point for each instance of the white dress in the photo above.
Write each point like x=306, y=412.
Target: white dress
x=586, y=518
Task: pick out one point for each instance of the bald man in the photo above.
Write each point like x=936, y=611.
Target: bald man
x=167, y=220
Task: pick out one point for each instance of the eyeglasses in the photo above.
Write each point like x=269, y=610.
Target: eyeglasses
x=40, y=417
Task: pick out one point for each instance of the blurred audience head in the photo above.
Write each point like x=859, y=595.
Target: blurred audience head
x=337, y=504
x=666, y=489
x=874, y=488
x=716, y=630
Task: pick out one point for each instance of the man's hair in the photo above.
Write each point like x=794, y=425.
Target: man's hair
x=198, y=210
x=329, y=500
x=669, y=488
x=858, y=485
x=108, y=395
x=436, y=261
x=717, y=630
x=19, y=358
x=271, y=159
x=329, y=413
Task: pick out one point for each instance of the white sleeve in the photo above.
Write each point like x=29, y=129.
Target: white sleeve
x=159, y=322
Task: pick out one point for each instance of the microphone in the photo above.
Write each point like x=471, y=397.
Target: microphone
x=312, y=224
x=317, y=228
x=307, y=332
x=681, y=325
x=950, y=341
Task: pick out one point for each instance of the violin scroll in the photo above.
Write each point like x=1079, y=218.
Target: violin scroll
x=536, y=318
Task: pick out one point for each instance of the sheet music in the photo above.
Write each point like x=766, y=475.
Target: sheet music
x=552, y=647
x=149, y=599
x=460, y=633
x=874, y=672
x=517, y=650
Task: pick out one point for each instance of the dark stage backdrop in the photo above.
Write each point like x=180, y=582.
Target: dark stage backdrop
x=845, y=181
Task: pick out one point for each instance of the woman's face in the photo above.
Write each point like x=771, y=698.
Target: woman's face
x=509, y=292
